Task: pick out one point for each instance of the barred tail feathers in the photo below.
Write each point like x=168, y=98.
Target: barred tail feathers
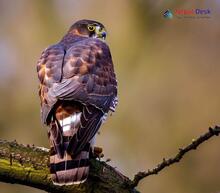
x=67, y=169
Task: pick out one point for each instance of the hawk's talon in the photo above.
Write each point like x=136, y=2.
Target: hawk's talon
x=97, y=153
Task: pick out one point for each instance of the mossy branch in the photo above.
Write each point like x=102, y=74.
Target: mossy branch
x=28, y=165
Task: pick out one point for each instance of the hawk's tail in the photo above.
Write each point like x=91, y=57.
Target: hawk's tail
x=67, y=169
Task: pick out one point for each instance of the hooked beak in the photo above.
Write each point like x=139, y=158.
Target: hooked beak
x=101, y=34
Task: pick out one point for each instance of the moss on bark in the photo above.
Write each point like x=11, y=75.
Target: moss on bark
x=28, y=165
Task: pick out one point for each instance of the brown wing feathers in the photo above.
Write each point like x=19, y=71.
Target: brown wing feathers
x=49, y=68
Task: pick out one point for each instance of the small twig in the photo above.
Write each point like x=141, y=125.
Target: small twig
x=182, y=151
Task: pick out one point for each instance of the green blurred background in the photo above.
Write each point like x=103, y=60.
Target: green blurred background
x=168, y=73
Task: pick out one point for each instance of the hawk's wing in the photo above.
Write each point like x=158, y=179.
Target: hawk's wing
x=87, y=76
x=49, y=69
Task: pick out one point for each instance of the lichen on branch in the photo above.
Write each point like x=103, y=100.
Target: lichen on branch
x=28, y=165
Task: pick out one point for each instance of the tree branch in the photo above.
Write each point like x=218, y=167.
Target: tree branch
x=182, y=151
x=28, y=165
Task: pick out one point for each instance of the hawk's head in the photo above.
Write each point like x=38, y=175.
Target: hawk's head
x=88, y=28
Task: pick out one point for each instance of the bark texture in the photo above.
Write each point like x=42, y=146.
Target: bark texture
x=28, y=165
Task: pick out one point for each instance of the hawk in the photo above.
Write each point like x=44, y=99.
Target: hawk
x=78, y=88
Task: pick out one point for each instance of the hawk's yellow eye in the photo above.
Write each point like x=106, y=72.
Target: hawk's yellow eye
x=91, y=28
